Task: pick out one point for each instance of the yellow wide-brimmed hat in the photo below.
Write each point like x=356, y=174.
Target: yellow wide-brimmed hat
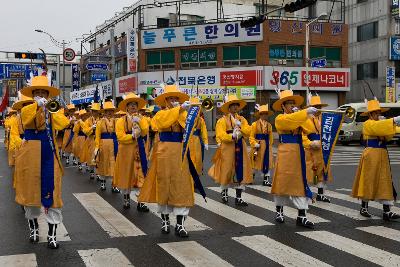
x=373, y=105
x=82, y=112
x=287, y=95
x=120, y=113
x=132, y=97
x=22, y=101
x=264, y=109
x=40, y=82
x=315, y=101
x=169, y=91
x=95, y=106
x=232, y=99
x=108, y=105
x=70, y=107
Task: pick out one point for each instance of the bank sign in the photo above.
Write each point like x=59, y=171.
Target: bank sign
x=394, y=48
x=217, y=33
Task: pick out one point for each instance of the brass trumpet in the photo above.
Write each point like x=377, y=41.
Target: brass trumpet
x=53, y=105
x=207, y=104
x=349, y=112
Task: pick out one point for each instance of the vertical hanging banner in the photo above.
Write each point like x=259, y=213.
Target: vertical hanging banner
x=192, y=115
x=132, y=51
x=76, y=83
x=330, y=127
x=390, y=85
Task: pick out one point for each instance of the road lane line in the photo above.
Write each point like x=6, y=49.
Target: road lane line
x=21, y=260
x=113, y=222
x=104, y=257
x=382, y=231
x=191, y=253
x=355, y=248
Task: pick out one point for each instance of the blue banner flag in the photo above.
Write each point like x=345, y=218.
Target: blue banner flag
x=331, y=122
x=192, y=115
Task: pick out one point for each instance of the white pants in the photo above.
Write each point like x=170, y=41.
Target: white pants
x=383, y=202
x=135, y=191
x=53, y=216
x=321, y=185
x=167, y=209
x=233, y=186
x=301, y=203
x=261, y=174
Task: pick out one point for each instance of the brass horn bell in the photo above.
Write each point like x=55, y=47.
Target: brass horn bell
x=207, y=104
x=53, y=106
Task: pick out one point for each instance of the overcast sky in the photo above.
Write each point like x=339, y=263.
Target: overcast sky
x=64, y=19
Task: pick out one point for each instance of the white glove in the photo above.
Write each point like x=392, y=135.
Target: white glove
x=238, y=134
x=218, y=145
x=186, y=105
x=94, y=126
x=257, y=145
x=206, y=146
x=295, y=109
x=315, y=144
x=381, y=118
x=234, y=134
x=135, y=119
x=40, y=101
x=397, y=120
x=175, y=104
x=136, y=132
x=311, y=111
x=96, y=150
x=238, y=123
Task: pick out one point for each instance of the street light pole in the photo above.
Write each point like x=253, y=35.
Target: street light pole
x=308, y=51
x=63, y=49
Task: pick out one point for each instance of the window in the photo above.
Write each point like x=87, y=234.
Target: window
x=332, y=54
x=367, y=31
x=156, y=60
x=239, y=55
x=198, y=58
x=361, y=1
x=288, y=55
x=162, y=23
x=367, y=71
x=118, y=69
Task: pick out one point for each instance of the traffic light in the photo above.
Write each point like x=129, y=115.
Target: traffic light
x=251, y=22
x=28, y=55
x=298, y=4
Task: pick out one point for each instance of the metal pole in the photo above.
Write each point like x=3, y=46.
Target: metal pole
x=112, y=42
x=58, y=72
x=307, y=60
x=63, y=44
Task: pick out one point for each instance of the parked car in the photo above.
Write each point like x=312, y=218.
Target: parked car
x=352, y=127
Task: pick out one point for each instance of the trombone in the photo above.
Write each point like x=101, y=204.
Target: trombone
x=349, y=112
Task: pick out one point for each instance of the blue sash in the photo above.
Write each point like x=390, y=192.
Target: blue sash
x=265, y=137
x=171, y=137
x=142, y=155
x=112, y=136
x=71, y=136
x=197, y=133
x=239, y=160
x=375, y=143
x=297, y=139
x=314, y=137
x=46, y=165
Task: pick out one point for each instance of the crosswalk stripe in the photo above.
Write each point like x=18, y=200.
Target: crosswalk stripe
x=21, y=260
x=382, y=231
x=351, y=213
x=230, y=213
x=278, y=252
x=62, y=233
x=355, y=248
x=270, y=205
x=104, y=257
x=113, y=222
x=191, y=224
x=191, y=253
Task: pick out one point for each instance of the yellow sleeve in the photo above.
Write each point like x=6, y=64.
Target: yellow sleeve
x=98, y=135
x=144, y=126
x=308, y=128
x=204, y=132
x=15, y=139
x=165, y=118
x=289, y=122
x=379, y=128
x=28, y=113
x=397, y=129
x=59, y=121
x=271, y=135
x=77, y=127
x=222, y=135
x=122, y=137
x=153, y=125
x=253, y=132
x=87, y=127
x=245, y=127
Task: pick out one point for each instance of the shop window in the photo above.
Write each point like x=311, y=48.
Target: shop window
x=333, y=55
x=156, y=60
x=367, y=31
x=198, y=58
x=240, y=55
x=367, y=71
x=288, y=55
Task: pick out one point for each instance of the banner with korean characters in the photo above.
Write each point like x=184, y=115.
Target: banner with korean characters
x=86, y=94
x=206, y=34
x=126, y=84
x=132, y=51
x=329, y=79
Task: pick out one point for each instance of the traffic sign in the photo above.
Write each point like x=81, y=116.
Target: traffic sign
x=97, y=66
x=68, y=54
x=98, y=77
x=318, y=63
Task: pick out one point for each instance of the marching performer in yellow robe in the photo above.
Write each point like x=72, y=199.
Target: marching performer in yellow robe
x=261, y=141
x=290, y=181
x=169, y=182
x=11, y=120
x=39, y=167
x=373, y=180
x=106, y=146
x=131, y=163
x=232, y=167
x=79, y=138
x=69, y=134
x=313, y=150
x=89, y=128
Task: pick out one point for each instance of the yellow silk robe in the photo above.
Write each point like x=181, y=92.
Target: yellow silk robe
x=14, y=140
x=67, y=146
x=223, y=170
x=17, y=130
x=259, y=127
x=105, y=158
x=78, y=141
x=195, y=145
x=288, y=179
x=89, y=145
x=373, y=180
x=28, y=159
x=168, y=181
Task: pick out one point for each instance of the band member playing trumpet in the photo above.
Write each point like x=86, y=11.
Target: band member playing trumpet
x=290, y=181
x=69, y=133
x=313, y=150
x=373, y=180
x=232, y=166
x=261, y=140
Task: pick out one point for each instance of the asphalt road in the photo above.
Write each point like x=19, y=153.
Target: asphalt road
x=97, y=231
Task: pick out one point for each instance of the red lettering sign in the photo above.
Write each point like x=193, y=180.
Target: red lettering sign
x=241, y=78
x=132, y=65
x=127, y=85
x=325, y=78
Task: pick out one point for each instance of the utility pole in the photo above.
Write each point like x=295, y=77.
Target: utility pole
x=63, y=48
x=112, y=44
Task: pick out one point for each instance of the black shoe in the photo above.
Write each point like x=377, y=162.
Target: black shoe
x=267, y=183
x=240, y=202
x=364, y=212
x=103, y=185
x=115, y=190
x=302, y=221
x=224, y=196
x=92, y=175
x=141, y=207
x=51, y=237
x=127, y=201
x=180, y=228
x=279, y=217
x=34, y=231
x=323, y=198
x=166, y=225
x=98, y=178
x=74, y=162
x=390, y=216
x=80, y=167
x=67, y=162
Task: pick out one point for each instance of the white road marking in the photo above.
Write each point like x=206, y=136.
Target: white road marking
x=21, y=260
x=62, y=233
x=104, y=257
x=382, y=231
